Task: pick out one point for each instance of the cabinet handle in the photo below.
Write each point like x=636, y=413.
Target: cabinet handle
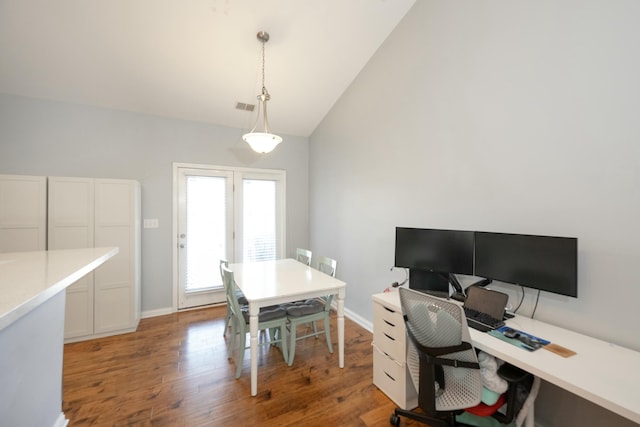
x=389, y=323
x=390, y=337
x=392, y=379
x=388, y=309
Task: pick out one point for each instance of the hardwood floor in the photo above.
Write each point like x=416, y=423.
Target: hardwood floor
x=174, y=371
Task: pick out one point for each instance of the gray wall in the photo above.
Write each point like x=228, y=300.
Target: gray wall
x=501, y=116
x=49, y=138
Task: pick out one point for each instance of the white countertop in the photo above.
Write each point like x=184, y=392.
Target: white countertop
x=28, y=279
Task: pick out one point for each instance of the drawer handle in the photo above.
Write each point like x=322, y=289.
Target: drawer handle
x=392, y=379
x=385, y=353
x=390, y=337
x=389, y=323
x=388, y=309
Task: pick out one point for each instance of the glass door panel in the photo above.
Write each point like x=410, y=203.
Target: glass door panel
x=205, y=234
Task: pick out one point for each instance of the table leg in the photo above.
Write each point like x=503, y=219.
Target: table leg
x=341, y=328
x=253, y=332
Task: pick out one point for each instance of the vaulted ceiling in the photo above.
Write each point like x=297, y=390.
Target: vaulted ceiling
x=193, y=59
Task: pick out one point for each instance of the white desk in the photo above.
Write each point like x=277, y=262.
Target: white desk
x=274, y=282
x=601, y=372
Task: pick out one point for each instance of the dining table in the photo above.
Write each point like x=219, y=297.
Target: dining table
x=267, y=283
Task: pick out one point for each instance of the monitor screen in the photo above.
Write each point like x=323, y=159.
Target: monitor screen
x=427, y=281
x=541, y=262
x=443, y=251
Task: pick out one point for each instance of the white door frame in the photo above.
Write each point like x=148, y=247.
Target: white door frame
x=251, y=173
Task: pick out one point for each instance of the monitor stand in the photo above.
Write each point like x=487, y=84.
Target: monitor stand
x=458, y=295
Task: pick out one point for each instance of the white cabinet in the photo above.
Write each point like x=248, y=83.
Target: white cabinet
x=23, y=213
x=390, y=372
x=87, y=212
x=71, y=227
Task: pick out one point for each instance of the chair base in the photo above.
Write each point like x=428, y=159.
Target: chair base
x=447, y=419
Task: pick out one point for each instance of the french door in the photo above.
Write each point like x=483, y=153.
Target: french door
x=224, y=213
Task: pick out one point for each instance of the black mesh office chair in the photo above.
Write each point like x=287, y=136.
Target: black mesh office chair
x=443, y=363
x=441, y=360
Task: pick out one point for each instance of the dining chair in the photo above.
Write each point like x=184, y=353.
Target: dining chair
x=304, y=256
x=241, y=299
x=311, y=311
x=272, y=319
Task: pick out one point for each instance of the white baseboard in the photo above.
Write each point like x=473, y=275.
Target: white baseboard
x=61, y=421
x=359, y=320
x=157, y=312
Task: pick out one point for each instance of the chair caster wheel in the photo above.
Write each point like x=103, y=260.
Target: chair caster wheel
x=394, y=420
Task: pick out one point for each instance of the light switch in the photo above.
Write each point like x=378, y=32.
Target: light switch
x=150, y=223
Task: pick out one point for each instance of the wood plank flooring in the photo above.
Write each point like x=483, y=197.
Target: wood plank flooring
x=174, y=371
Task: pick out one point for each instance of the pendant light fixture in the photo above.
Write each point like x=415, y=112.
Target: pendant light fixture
x=265, y=141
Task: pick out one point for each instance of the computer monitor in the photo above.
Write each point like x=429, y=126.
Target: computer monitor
x=540, y=262
x=430, y=282
x=441, y=251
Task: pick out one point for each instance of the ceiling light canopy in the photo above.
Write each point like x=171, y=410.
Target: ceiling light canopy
x=265, y=141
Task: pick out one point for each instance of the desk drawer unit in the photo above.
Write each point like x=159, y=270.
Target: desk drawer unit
x=388, y=331
x=390, y=373
x=393, y=380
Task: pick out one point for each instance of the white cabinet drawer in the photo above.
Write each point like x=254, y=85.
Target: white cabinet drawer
x=385, y=315
x=391, y=378
x=392, y=346
x=389, y=332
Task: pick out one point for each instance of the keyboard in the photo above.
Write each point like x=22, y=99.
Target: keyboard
x=481, y=321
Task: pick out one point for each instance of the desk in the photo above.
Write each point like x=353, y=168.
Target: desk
x=586, y=374
x=268, y=283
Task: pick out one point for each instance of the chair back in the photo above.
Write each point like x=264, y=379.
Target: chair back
x=441, y=359
x=304, y=256
x=223, y=262
x=229, y=281
x=327, y=265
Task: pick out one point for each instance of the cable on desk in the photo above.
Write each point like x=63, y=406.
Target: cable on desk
x=535, y=306
x=521, y=299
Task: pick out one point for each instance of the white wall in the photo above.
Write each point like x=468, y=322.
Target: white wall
x=503, y=116
x=49, y=138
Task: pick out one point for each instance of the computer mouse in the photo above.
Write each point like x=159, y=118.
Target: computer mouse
x=510, y=333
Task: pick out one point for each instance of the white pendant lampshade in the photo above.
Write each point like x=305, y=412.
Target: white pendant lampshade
x=265, y=141
x=262, y=142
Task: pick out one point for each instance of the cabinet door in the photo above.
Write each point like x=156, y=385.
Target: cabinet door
x=116, y=297
x=23, y=204
x=71, y=224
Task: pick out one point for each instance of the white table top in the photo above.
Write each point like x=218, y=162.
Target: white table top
x=28, y=279
x=601, y=372
x=274, y=282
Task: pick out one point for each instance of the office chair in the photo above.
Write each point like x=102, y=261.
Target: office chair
x=443, y=364
x=441, y=360
x=304, y=256
x=311, y=311
x=270, y=318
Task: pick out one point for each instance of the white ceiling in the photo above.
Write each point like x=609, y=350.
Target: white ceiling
x=193, y=59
